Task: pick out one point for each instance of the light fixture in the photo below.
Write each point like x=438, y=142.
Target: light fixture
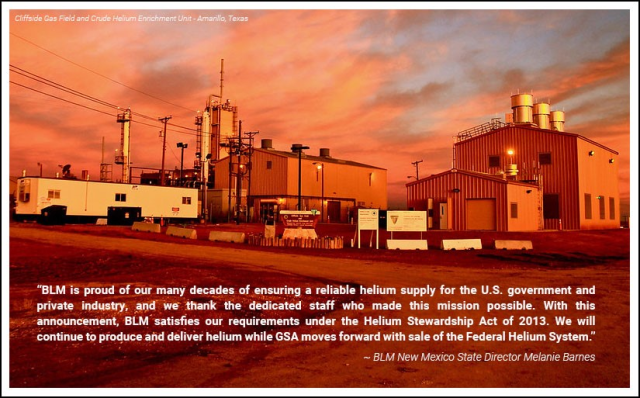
x=591, y=153
x=455, y=190
x=612, y=160
x=528, y=191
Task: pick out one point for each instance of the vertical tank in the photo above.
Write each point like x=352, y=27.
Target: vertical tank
x=541, y=115
x=557, y=120
x=125, y=120
x=522, y=106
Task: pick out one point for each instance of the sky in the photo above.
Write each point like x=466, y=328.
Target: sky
x=385, y=84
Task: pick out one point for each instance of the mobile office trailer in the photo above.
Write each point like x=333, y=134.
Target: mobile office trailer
x=90, y=200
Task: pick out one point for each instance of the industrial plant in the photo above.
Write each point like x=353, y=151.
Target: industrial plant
x=524, y=174
x=231, y=179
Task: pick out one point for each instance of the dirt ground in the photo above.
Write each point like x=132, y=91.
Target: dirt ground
x=101, y=256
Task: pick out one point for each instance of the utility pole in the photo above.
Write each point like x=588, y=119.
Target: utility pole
x=249, y=150
x=239, y=174
x=416, y=164
x=299, y=148
x=164, y=145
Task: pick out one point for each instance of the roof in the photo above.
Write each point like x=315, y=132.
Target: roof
x=305, y=156
x=537, y=130
x=475, y=174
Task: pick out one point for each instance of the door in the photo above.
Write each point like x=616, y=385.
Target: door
x=333, y=211
x=444, y=215
x=481, y=214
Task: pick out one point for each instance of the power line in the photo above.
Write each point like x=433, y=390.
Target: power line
x=93, y=109
x=61, y=99
x=59, y=86
x=69, y=90
x=101, y=75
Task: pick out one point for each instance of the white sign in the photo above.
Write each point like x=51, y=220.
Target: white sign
x=406, y=221
x=368, y=220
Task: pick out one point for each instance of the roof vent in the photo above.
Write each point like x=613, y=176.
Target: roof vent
x=324, y=152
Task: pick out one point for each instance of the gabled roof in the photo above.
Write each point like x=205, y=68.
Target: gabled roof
x=475, y=174
x=535, y=130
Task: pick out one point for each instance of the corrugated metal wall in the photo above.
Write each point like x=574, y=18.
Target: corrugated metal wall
x=560, y=177
x=445, y=186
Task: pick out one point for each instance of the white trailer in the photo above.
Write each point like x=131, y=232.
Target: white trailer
x=94, y=199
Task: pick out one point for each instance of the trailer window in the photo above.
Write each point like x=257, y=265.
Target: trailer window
x=53, y=194
x=121, y=197
x=186, y=200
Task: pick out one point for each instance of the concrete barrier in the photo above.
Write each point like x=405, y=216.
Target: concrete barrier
x=461, y=244
x=513, y=244
x=145, y=227
x=220, y=236
x=182, y=232
x=407, y=244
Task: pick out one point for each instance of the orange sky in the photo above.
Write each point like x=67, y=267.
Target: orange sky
x=381, y=87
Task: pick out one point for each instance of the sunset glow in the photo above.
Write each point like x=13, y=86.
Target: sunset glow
x=382, y=87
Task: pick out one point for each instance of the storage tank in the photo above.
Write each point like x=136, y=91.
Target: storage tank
x=522, y=106
x=325, y=152
x=266, y=143
x=557, y=120
x=541, y=115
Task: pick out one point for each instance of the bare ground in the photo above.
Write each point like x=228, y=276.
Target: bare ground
x=104, y=256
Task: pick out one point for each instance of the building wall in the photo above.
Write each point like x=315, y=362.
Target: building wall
x=560, y=177
x=597, y=176
x=442, y=189
x=528, y=200
x=344, y=183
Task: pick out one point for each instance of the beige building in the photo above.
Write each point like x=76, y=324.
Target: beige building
x=332, y=187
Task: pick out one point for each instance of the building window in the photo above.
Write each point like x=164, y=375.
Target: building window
x=551, y=205
x=514, y=210
x=494, y=161
x=186, y=200
x=121, y=197
x=269, y=164
x=544, y=158
x=53, y=194
x=602, y=207
x=612, y=208
x=587, y=206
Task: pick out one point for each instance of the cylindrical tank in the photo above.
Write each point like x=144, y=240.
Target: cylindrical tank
x=557, y=120
x=522, y=105
x=324, y=152
x=541, y=115
x=266, y=143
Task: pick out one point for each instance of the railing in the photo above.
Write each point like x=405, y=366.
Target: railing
x=481, y=129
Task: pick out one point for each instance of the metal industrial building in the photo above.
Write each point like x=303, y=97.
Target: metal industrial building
x=467, y=200
x=577, y=177
x=333, y=187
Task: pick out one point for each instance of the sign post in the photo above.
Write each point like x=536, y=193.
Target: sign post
x=368, y=220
